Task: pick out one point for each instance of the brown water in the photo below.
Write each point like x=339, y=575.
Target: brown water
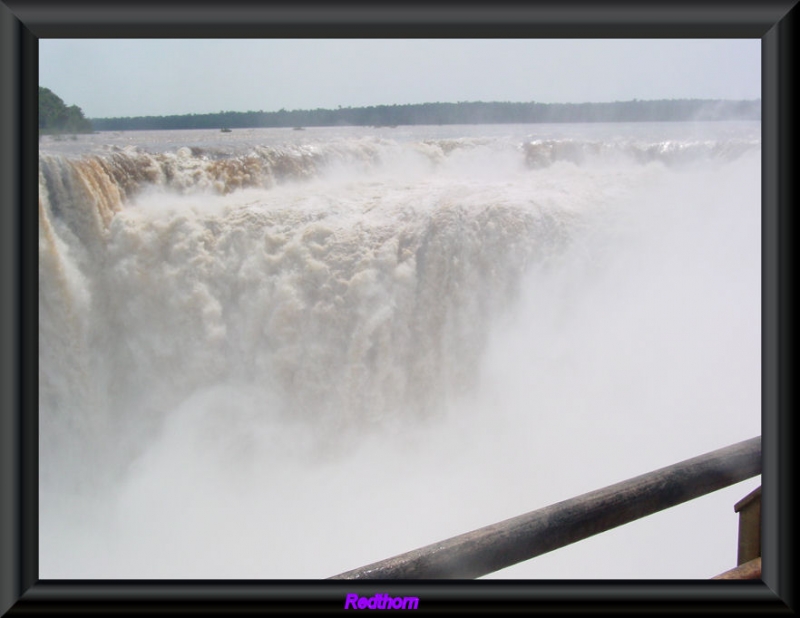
x=285, y=354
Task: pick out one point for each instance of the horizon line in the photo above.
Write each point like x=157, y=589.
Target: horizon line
x=350, y=107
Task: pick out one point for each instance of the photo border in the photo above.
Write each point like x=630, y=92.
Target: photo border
x=23, y=23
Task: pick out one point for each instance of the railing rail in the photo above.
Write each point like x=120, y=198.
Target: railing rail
x=514, y=540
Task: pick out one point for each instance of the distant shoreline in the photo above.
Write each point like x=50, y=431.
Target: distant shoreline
x=665, y=110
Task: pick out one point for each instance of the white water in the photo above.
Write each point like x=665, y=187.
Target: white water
x=288, y=354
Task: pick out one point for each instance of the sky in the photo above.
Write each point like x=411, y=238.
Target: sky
x=153, y=77
x=108, y=78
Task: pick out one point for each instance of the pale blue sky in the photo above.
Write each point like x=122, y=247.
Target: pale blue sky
x=140, y=77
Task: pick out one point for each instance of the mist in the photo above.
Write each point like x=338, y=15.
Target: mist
x=294, y=380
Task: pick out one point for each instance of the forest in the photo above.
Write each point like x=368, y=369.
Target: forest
x=55, y=117
x=450, y=113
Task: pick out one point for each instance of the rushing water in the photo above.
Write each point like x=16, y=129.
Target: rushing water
x=284, y=354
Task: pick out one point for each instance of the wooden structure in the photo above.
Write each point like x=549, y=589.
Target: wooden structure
x=508, y=542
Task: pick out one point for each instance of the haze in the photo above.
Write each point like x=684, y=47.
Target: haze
x=141, y=77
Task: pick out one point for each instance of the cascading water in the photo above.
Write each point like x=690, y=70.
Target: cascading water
x=254, y=352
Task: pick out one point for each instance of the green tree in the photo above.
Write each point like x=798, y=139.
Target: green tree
x=56, y=117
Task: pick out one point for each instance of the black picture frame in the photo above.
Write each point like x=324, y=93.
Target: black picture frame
x=22, y=23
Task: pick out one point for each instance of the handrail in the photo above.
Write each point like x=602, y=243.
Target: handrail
x=508, y=542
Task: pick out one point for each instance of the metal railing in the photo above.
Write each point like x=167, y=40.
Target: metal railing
x=514, y=540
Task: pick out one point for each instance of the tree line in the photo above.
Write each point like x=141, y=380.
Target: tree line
x=450, y=113
x=55, y=117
